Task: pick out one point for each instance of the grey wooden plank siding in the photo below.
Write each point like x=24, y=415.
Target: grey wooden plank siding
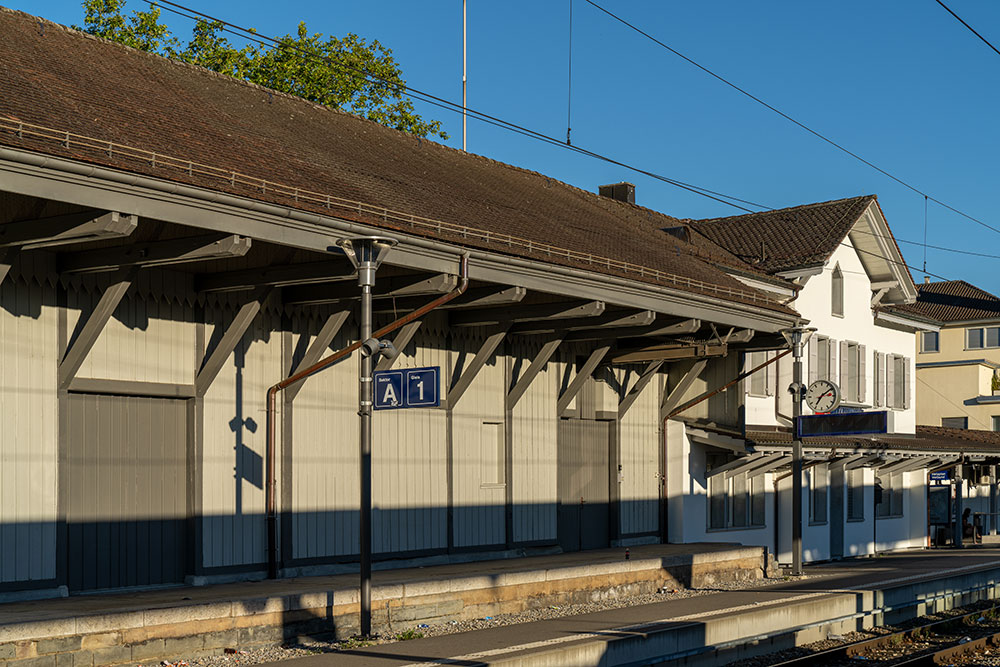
x=126, y=472
x=324, y=493
x=28, y=439
x=409, y=459
x=235, y=441
x=535, y=426
x=477, y=444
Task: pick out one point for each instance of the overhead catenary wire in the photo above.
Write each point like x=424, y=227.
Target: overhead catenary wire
x=251, y=35
x=792, y=120
x=971, y=29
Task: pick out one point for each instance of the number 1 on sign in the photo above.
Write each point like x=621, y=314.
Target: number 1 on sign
x=420, y=389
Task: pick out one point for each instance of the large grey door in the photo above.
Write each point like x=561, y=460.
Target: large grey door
x=126, y=490
x=583, y=515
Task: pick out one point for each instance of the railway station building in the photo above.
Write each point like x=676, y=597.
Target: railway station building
x=169, y=251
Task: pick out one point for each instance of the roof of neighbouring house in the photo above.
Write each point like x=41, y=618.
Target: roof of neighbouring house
x=952, y=301
x=926, y=439
x=67, y=94
x=787, y=238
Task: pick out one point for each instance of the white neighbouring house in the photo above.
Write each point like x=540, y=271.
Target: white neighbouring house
x=844, y=268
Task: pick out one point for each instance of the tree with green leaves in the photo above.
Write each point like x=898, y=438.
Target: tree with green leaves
x=346, y=73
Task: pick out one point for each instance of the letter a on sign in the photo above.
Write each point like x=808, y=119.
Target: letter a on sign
x=389, y=397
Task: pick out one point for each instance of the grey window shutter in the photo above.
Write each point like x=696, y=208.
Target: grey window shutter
x=845, y=372
x=813, y=359
x=906, y=383
x=877, y=387
x=832, y=371
x=747, y=365
x=890, y=381
x=772, y=373
x=862, y=377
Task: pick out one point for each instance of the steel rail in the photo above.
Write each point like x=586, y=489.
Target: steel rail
x=859, y=648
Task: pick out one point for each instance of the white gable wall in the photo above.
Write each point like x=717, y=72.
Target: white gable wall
x=857, y=324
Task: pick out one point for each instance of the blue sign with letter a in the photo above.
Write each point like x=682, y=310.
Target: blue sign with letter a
x=410, y=388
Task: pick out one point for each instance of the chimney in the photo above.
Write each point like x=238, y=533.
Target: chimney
x=927, y=280
x=621, y=191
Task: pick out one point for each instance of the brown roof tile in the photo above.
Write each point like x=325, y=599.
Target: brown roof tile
x=952, y=301
x=786, y=238
x=182, y=123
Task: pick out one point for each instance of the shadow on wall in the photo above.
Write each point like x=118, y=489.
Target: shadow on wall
x=107, y=546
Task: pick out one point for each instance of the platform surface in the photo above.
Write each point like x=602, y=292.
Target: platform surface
x=183, y=596
x=481, y=646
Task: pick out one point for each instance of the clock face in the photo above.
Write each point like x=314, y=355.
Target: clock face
x=823, y=396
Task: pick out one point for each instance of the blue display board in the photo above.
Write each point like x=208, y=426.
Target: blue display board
x=940, y=475
x=408, y=388
x=850, y=423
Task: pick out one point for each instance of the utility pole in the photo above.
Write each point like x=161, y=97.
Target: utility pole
x=797, y=337
x=464, y=71
x=366, y=254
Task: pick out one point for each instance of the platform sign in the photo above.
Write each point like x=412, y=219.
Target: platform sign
x=940, y=475
x=852, y=423
x=409, y=388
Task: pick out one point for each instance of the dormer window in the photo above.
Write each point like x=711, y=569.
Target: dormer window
x=837, y=296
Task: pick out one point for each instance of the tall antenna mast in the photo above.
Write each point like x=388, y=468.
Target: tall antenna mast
x=464, y=42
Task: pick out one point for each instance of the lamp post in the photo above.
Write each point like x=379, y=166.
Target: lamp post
x=366, y=254
x=797, y=337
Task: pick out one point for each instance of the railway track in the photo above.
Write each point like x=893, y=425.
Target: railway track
x=936, y=643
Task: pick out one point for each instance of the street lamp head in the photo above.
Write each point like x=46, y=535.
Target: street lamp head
x=366, y=254
x=797, y=337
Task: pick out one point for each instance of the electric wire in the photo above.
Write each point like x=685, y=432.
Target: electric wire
x=251, y=35
x=971, y=29
x=781, y=113
x=926, y=245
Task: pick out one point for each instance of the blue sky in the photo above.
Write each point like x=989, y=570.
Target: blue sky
x=900, y=83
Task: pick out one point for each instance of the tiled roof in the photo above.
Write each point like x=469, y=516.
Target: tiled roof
x=927, y=438
x=67, y=94
x=786, y=238
x=952, y=301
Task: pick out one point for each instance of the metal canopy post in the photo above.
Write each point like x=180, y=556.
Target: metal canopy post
x=797, y=337
x=366, y=253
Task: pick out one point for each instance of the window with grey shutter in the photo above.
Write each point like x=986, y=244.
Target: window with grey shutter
x=878, y=384
x=717, y=501
x=758, y=381
x=740, y=499
x=993, y=337
x=996, y=422
x=896, y=502
x=855, y=494
x=862, y=373
x=955, y=422
x=837, y=296
x=758, y=495
x=833, y=375
x=890, y=381
x=814, y=359
x=845, y=369
x=818, y=479
x=772, y=373
x=929, y=341
x=974, y=339
x=906, y=382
